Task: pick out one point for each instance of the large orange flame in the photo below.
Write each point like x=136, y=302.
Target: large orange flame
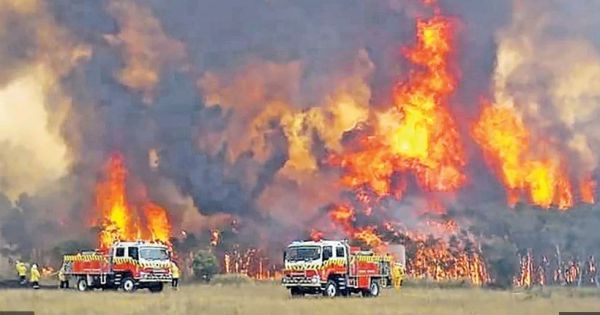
x=119, y=220
x=157, y=222
x=427, y=139
x=539, y=174
x=112, y=204
x=418, y=135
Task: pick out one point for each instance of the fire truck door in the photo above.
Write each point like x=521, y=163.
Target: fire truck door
x=343, y=252
x=118, y=253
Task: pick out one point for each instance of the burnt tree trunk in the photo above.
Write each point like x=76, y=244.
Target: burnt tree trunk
x=560, y=271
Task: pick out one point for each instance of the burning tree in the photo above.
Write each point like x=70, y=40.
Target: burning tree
x=507, y=147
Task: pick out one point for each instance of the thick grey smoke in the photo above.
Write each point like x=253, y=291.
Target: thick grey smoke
x=227, y=109
x=143, y=89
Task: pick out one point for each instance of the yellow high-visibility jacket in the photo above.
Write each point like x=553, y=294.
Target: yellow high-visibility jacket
x=174, y=270
x=397, y=275
x=35, y=275
x=21, y=269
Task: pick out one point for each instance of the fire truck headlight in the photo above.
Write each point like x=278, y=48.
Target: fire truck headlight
x=315, y=279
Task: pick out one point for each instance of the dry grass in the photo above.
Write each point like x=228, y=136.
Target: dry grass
x=268, y=298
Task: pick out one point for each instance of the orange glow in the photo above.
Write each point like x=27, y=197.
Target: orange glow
x=540, y=175
x=119, y=220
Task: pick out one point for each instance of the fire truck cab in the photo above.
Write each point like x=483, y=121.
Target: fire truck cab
x=126, y=265
x=334, y=268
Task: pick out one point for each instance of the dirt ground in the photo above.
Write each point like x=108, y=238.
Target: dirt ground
x=272, y=299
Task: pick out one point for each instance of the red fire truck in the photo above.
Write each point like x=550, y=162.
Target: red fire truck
x=126, y=265
x=334, y=268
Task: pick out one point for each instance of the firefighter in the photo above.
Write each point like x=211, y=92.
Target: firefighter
x=34, y=277
x=175, y=274
x=64, y=282
x=397, y=275
x=21, y=272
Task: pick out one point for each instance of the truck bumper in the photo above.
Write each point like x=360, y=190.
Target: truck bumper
x=149, y=277
x=300, y=282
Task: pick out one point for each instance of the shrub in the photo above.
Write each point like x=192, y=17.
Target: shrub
x=205, y=265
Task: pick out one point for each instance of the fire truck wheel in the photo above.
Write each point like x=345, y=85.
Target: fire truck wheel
x=331, y=289
x=156, y=288
x=374, y=289
x=296, y=292
x=128, y=285
x=82, y=285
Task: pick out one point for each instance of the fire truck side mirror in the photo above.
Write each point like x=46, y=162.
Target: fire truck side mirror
x=284, y=256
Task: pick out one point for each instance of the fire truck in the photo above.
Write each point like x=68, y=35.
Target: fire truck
x=125, y=265
x=334, y=268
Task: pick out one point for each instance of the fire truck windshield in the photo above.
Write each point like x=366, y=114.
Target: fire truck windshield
x=307, y=253
x=154, y=253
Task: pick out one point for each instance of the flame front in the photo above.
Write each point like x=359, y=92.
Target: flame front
x=438, y=260
x=541, y=175
x=119, y=220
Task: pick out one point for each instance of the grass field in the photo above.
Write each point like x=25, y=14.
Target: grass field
x=268, y=298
